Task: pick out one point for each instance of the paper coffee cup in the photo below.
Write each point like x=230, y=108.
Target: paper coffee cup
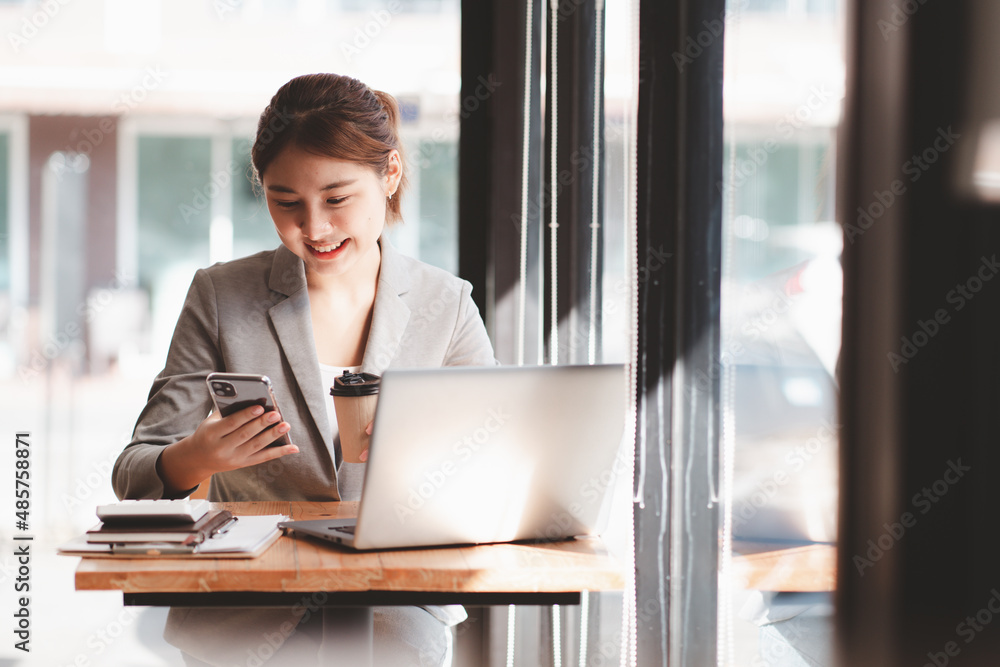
x=354, y=399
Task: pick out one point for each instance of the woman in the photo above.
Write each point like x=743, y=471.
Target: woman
x=334, y=295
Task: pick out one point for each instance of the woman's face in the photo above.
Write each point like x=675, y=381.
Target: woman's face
x=327, y=211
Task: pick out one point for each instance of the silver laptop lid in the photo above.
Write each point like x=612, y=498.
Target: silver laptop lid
x=476, y=455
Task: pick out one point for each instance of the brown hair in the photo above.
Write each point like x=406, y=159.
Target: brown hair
x=334, y=116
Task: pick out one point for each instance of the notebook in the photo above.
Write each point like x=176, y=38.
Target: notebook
x=214, y=522
x=479, y=455
x=247, y=537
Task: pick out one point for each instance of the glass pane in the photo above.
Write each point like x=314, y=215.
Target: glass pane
x=620, y=36
x=173, y=221
x=253, y=230
x=4, y=212
x=822, y=6
x=764, y=5
x=616, y=294
x=438, y=196
x=781, y=307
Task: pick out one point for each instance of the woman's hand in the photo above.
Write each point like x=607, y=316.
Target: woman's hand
x=223, y=443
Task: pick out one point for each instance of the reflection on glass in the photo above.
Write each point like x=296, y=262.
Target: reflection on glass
x=781, y=306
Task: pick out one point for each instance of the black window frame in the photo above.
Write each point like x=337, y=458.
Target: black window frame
x=677, y=366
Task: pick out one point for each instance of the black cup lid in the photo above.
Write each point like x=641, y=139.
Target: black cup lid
x=355, y=384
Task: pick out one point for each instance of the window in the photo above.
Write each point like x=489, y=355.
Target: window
x=174, y=218
x=437, y=194
x=781, y=315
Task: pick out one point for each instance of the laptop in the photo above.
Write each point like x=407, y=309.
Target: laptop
x=475, y=455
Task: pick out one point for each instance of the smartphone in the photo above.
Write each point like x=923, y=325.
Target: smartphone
x=233, y=392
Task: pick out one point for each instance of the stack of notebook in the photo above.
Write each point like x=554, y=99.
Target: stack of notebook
x=174, y=528
x=147, y=533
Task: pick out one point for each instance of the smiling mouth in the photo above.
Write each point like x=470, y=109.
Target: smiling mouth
x=326, y=249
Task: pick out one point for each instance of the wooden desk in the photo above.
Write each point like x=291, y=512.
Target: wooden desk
x=556, y=570
x=799, y=569
x=294, y=570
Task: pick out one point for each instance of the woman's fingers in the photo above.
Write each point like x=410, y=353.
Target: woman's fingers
x=271, y=453
x=235, y=441
x=246, y=434
x=239, y=427
x=239, y=419
x=264, y=437
x=248, y=431
x=363, y=456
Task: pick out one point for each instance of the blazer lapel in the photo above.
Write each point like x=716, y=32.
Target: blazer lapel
x=390, y=315
x=293, y=325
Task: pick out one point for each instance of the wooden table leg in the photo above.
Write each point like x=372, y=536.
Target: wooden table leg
x=348, y=636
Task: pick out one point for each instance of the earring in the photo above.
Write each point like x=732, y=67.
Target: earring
x=390, y=196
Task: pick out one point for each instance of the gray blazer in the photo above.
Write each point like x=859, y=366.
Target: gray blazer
x=251, y=315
